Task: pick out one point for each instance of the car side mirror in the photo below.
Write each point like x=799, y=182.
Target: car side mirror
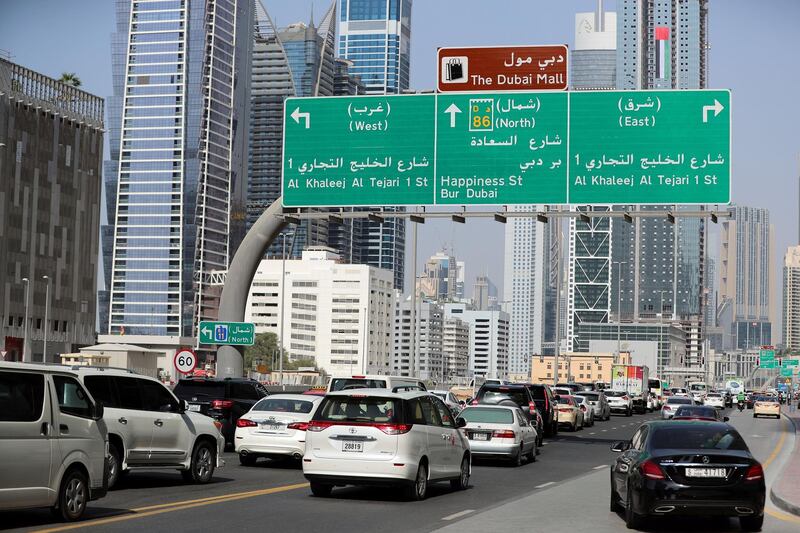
x=460, y=422
x=98, y=411
x=183, y=406
x=725, y=418
x=620, y=446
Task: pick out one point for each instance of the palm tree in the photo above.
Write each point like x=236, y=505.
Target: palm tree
x=70, y=78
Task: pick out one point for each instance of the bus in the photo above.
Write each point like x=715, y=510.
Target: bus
x=657, y=386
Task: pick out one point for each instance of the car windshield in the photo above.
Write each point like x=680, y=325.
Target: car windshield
x=338, y=384
x=679, y=401
x=566, y=400
x=693, y=410
x=200, y=389
x=486, y=415
x=615, y=393
x=688, y=436
x=358, y=409
x=284, y=405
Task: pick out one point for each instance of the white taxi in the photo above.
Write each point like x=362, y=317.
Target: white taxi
x=275, y=427
x=766, y=406
x=379, y=437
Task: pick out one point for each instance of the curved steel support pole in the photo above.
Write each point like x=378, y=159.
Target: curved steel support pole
x=242, y=269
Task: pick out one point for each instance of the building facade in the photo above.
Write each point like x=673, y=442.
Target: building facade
x=580, y=367
x=488, y=340
x=424, y=358
x=746, y=274
x=177, y=177
x=51, y=153
x=593, y=63
x=439, y=278
x=338, y=315
x=791, y=298
x=455, y=348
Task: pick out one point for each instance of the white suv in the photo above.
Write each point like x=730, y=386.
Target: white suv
x=381, y=437
x=148, y=427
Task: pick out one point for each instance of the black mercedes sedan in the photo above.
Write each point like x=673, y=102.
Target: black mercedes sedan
x=687, y=468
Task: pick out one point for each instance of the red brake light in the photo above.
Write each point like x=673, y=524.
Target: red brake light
x=754, y=473
x=652, y=470
x=358, y=377
x=221, y=404
x=625, y=398
x=474, y=402
x=531, y=407
x=244, y=423
x=318, y=426
x=583, y=408
x=503, y=434
x=299, y=426
x=394, y=429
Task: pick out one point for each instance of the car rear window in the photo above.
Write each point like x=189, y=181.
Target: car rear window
x=284, y=405
x=338, y=384
x=359, y=409
x=537, y=391
x=615, y=393
x=500, y=393
x=567, y=400
x=200, y=389
x=488, y=416
x=691, y=410
x=591, y=395
x=679, y=401
x=692, y=437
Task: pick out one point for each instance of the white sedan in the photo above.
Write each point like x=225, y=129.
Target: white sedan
x=499, y=430
x=715, y=399
x=275, y=427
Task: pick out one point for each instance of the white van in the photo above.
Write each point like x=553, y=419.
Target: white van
x=54, y=445
x=340, y=383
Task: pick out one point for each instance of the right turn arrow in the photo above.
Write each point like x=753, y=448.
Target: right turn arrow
x=716, y=108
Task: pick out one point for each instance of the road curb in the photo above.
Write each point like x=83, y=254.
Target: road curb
x=774, y=495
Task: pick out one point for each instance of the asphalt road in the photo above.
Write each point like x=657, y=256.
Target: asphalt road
x=565, y=489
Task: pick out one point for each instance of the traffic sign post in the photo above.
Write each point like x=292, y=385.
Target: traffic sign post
x=230, y=333
x=509, y=68
x=637, y=147
x=185, y=361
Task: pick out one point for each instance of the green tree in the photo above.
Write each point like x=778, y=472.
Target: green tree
x=264, y=348
x=70, y=78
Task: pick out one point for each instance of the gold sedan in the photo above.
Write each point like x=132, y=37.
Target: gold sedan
x=569, y=414
x=766, y=406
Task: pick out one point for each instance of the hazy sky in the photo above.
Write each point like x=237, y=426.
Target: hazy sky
x=754, y=52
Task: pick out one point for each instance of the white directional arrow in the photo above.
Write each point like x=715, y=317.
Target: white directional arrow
x=716, y=108
x=206, y=332
x=297, y=115
x=452, y=110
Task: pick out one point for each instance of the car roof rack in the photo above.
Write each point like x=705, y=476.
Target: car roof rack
x=95, y=367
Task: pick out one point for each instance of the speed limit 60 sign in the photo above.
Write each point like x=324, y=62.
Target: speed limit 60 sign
x=185, y=361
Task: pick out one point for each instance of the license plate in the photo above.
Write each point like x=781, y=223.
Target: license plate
x=480, y=436
x=272, y=427
x=353, y=446
x=194, y=407
x=705, y=472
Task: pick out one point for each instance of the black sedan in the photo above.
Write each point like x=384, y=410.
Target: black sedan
x=687, y=468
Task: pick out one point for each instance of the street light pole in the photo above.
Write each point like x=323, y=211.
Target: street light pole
x=283, y=309
x=25, y=335
x=619, y=305
x=46, y=314
x=660, y=335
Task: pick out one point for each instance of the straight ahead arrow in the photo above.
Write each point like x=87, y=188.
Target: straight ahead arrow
x=716, y=108
x=452, y=110
x=297, y=115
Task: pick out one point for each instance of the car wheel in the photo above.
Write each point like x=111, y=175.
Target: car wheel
x=533, y=453
x=629, y=413
x=540, y=441
x=202, y=467
x=72, y=496
x=247, y=459
x=114, y=465
x=751, y=523
x=321, y=490
x=632, y=520
x=462, y=483
x=755, y=415
x=419, y=489
x=614, y=505
x=516, y=460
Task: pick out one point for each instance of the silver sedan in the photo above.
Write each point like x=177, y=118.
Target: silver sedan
x=599, y=404
x=587, y=408
x=499, y=431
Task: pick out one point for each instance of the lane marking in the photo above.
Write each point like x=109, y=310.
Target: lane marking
x=600, y=467
x=775, y=513
x=593, y=433
x=604, y=430
x=543, y=485
x=459, y=514
x=175, y=506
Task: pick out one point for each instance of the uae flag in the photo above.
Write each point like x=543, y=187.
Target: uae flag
x=663, y=56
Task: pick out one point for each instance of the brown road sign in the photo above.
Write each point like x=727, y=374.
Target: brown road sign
x=502, y=68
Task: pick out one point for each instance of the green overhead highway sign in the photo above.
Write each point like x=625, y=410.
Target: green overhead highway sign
x=642, y=147
x=791, y=362
x=230, y=333
x=787, y=371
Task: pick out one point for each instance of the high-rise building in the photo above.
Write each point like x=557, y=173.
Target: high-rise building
x=791, y=298
x=376, y=36
x=177, y=177
x=745, y=276
x=455, y=348
x=438, y=279
x=428, y=336
x=526, y=266
x=482, y=292
x=488, y=340
x=593, y=59
x=461, y=280
x=51, y=152
x=338, y=315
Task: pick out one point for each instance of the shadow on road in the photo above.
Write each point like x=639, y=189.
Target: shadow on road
x=43, y=517
x=155, y=480
x=686, y=524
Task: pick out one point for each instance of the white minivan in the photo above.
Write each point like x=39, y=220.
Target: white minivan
x=379, y=437
x=376, y=381
x=53, y=441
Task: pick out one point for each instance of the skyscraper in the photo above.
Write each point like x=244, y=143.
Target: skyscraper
x=376, y=36
x=438, y=280
x=745, y=276
x=594, y=56
x=791, y=298
x=177, y=185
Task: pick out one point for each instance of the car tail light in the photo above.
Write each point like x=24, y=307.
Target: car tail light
x=667, y=408
x=754, y=473
x=474, y=402
x=299, y=426
x=564, y=409
x=394, y=429
x=531, y=407
x=625, y=398
x=503, y=434
x=358, y=377
x=218, y=425
x=221, y=404
x=583, y=408
x=651, y=470
x=318, y=426
x=244, y=423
